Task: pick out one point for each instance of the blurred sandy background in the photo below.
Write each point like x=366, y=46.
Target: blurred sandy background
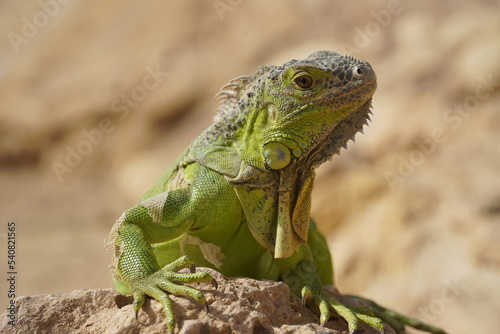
x=97, y=98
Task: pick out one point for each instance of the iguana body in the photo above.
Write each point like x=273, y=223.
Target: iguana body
x=238, y=198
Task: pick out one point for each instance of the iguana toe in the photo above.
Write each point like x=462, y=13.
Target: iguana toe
x=139, y=299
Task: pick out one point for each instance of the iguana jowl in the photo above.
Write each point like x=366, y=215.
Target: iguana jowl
x=238, y=199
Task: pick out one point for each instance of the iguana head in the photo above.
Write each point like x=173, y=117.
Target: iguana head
x=275, y=127
x=298, y=106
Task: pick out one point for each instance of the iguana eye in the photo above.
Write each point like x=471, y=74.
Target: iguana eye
x=304, y=81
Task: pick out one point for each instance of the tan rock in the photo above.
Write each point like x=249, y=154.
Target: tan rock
x=239, y=305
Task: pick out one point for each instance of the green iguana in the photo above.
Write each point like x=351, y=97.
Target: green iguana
x=238, y=199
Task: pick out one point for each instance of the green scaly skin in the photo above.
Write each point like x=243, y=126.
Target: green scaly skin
x=238, y=199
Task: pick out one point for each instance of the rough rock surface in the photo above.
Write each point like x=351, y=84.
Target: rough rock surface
x=239, y=305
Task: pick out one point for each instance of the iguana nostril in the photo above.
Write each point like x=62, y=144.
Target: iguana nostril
x=364, y=71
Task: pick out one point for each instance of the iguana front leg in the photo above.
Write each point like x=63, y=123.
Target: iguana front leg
x=158, y=219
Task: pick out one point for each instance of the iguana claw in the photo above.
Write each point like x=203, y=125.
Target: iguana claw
x=139, y=299
x=214, y=284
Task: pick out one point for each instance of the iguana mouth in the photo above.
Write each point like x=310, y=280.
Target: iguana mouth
x=331, y=99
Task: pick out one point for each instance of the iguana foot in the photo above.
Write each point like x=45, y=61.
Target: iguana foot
x=354, y=315
x=374, y=315
x=398, y=321
x=165, y=281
